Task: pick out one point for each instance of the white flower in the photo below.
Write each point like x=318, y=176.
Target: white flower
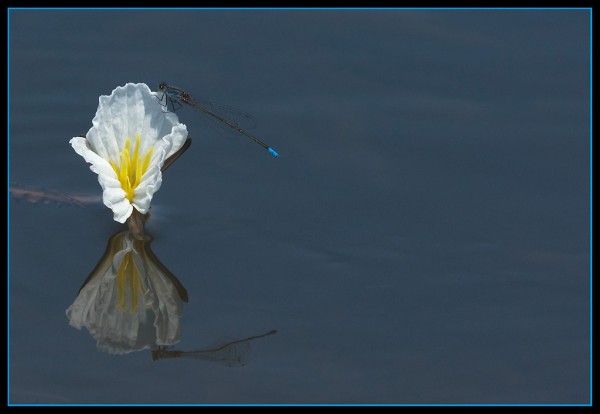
x=130, y=138
x=130, y=301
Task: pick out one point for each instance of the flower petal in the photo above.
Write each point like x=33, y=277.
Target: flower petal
x=113, y=195
x=152, y=179
x=131, y=110
x=178, y=135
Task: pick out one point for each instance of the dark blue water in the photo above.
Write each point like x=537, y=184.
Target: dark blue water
x=423, y=238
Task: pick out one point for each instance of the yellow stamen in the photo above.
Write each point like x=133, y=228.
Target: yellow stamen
x=130, y=168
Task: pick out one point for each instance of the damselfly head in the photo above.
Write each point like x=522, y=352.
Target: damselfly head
x=162, y=86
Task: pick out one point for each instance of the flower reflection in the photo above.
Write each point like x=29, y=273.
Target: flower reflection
x=130, y=301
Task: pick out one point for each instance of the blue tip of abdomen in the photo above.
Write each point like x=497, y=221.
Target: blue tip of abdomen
x=272, y=151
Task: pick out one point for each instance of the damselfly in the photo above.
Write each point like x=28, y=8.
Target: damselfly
x=225, y=116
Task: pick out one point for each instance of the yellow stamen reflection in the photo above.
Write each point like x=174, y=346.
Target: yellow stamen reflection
x=130, y=301
x=127, y=274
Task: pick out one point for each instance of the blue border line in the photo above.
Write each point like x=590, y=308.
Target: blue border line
x=301, y=8
x=591, y=207
x=8, y=206
x=301, y=405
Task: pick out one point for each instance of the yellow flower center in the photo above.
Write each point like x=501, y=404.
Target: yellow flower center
x=131, y=166
x=127, y=273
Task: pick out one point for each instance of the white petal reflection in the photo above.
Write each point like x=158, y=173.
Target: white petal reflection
x=130, y=301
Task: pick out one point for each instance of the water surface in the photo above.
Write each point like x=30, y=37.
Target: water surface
x=423, y=237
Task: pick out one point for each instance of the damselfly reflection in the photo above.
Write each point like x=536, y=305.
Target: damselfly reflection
x=234, y=119
x=232, y=354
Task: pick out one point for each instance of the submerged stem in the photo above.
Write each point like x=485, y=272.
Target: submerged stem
x=135, y=222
